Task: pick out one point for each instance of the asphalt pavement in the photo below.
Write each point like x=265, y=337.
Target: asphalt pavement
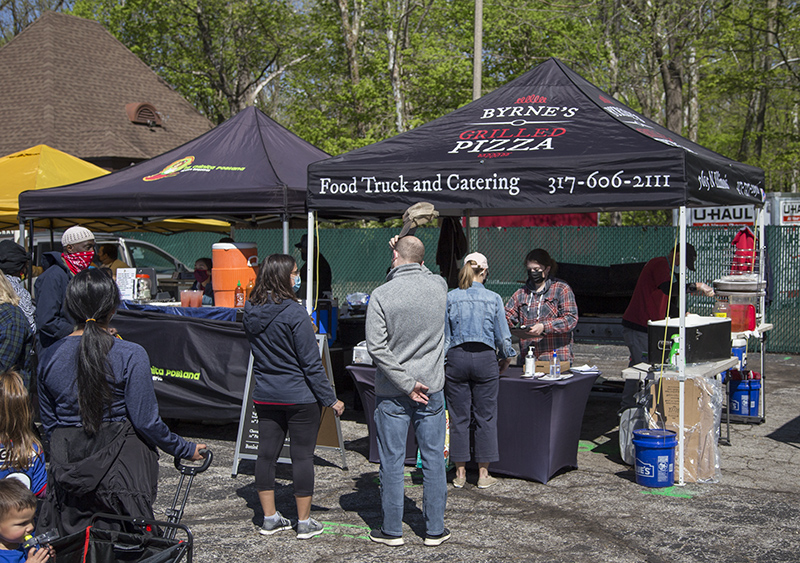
x=596, y=512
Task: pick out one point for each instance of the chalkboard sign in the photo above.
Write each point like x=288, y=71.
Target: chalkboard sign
x=330, y=428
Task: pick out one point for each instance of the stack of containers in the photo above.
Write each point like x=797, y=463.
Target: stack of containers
x=738, y=296
x=234, y=263
x=739, y=293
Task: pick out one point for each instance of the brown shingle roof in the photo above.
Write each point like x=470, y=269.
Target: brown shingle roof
x=65, y=82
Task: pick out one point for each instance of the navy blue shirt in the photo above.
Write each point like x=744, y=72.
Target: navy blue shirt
x=52, y=320
x=133, y=396
x=287, y=365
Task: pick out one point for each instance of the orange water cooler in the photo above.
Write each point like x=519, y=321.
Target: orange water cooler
x=233, y=263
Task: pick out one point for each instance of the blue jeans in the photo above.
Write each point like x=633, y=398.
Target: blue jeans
x=392, y=417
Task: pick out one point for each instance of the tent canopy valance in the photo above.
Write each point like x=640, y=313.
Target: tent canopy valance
x=248, y=170
x=547, y=142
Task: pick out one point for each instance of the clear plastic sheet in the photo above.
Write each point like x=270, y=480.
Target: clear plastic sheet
x=703, y=398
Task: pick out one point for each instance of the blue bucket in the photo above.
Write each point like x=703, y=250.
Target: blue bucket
x=755, y=392
x=740, y=397
x=655, y=457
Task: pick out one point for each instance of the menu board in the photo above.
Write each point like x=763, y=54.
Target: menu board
x=330, y=429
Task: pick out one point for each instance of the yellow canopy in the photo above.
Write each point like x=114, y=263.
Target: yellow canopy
x=36, y=168
x=45, y=167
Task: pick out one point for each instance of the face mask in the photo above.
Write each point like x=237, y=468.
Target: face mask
x=201, y=275
x=296, y=283
x=536, y=276
x=78, y=261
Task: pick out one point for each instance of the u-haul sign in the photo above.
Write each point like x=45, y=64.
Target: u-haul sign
x=789, y=212
x=732, y=215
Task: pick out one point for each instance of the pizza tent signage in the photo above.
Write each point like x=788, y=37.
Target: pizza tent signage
x=547, y=142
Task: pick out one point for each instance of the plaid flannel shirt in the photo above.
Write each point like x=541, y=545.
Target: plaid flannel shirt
x=556, y=309
x=14, y=338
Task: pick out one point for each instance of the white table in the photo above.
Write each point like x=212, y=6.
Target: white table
x=706, y=369
x=642, y=372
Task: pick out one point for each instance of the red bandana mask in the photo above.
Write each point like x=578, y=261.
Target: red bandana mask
x=78, y=261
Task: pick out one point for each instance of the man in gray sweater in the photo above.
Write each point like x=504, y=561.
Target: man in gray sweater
x=405, y=338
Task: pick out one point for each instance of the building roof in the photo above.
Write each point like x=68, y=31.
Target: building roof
x=66, y=81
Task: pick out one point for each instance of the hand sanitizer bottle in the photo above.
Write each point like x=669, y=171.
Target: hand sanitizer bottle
x=530, y=363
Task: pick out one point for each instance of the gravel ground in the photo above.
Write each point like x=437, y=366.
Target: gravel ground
x=594, y=513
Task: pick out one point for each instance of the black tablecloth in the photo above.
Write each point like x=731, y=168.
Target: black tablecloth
x=199, y=366
x=538, y=422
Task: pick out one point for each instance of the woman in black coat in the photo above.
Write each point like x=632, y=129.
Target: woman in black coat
x=290, y=389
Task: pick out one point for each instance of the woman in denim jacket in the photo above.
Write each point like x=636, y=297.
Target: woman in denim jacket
x=478, y=347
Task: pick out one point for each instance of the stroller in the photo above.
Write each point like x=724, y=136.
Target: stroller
x=143, y=541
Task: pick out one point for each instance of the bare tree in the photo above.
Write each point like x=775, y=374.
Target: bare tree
x=15, y=15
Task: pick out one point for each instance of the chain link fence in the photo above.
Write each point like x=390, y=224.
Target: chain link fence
x=360, y=258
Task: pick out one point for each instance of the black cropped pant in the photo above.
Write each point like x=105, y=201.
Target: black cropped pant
x=302, y=423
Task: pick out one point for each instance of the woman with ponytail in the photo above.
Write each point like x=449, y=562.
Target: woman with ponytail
x=99, y=410
x=477, y=342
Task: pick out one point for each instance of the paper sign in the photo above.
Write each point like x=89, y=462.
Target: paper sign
x=126, y=278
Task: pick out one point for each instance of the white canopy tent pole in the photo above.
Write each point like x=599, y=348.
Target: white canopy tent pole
x=310, y=264
x=285, y=223
x=682, y=338
x=761, y=248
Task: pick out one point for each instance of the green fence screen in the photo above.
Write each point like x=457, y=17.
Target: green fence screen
x=359, y=258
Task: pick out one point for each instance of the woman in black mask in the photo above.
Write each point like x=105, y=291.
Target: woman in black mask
x=544, y=312
x=202, y=279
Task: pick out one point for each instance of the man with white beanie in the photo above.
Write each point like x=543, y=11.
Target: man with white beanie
x=52, y=321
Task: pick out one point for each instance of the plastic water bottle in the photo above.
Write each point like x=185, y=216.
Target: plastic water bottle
x=555, y=365
x=530, y=363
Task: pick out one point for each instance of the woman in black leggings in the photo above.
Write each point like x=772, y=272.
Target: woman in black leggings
x=290, y=389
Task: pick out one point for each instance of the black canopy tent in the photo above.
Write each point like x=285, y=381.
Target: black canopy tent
x=547, y=142
x=247, y=171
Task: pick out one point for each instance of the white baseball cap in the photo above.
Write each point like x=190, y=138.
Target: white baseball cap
x=478, y=258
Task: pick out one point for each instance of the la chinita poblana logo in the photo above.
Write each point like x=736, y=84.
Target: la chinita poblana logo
x=186, y=164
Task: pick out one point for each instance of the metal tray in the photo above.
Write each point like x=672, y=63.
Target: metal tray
x=739, y=286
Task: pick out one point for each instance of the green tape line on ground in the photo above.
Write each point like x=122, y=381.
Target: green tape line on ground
x=676, y=492
x=607, y=448
x=346, y=530
x=377, y=481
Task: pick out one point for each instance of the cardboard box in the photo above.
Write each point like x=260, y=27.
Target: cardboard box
x=708, y=339
x=702, y=411
x=544, y=367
